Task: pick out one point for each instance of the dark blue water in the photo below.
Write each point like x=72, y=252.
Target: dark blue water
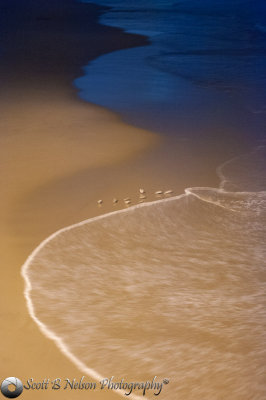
x=205, y=68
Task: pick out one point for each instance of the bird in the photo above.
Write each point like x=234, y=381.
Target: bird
x=142, y=196
x=115, y=201
x=142, y=191
x=167, y=192
x=127, y=202
x=159, y=192
x=100, y=202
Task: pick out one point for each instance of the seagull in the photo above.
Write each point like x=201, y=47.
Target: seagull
x=127, y=202
x=159, y=192
x=115, y=201
x=100, y=202
x=142, y=191
x=168, y=192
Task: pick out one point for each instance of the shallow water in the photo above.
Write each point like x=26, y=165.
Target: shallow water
x=174, y=288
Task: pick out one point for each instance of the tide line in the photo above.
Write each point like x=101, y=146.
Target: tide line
x=28, y=287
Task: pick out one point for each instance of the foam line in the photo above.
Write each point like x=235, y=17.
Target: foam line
x=219, y=170
x=190, y=191
x=220, y=174
x=28, y=287
x=24, y=270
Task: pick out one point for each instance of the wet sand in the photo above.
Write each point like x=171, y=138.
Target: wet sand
x=32, y=162
x=59, y=155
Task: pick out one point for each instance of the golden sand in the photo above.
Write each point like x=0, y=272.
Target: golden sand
x=54, y=160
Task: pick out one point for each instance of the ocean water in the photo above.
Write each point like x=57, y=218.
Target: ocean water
x=173, y=288
x=206, y=59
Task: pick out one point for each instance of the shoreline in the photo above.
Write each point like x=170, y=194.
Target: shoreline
x=45, y=331
x=52, y=59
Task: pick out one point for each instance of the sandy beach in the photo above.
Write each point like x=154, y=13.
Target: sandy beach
x=50, y=139
x=30, y=211
x=59, y=155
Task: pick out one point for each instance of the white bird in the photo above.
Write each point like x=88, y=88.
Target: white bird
x=168, y=192
x=127, y=202
x=142, y=196
x=100, y=202
x=142, y=191
x=159, y=192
